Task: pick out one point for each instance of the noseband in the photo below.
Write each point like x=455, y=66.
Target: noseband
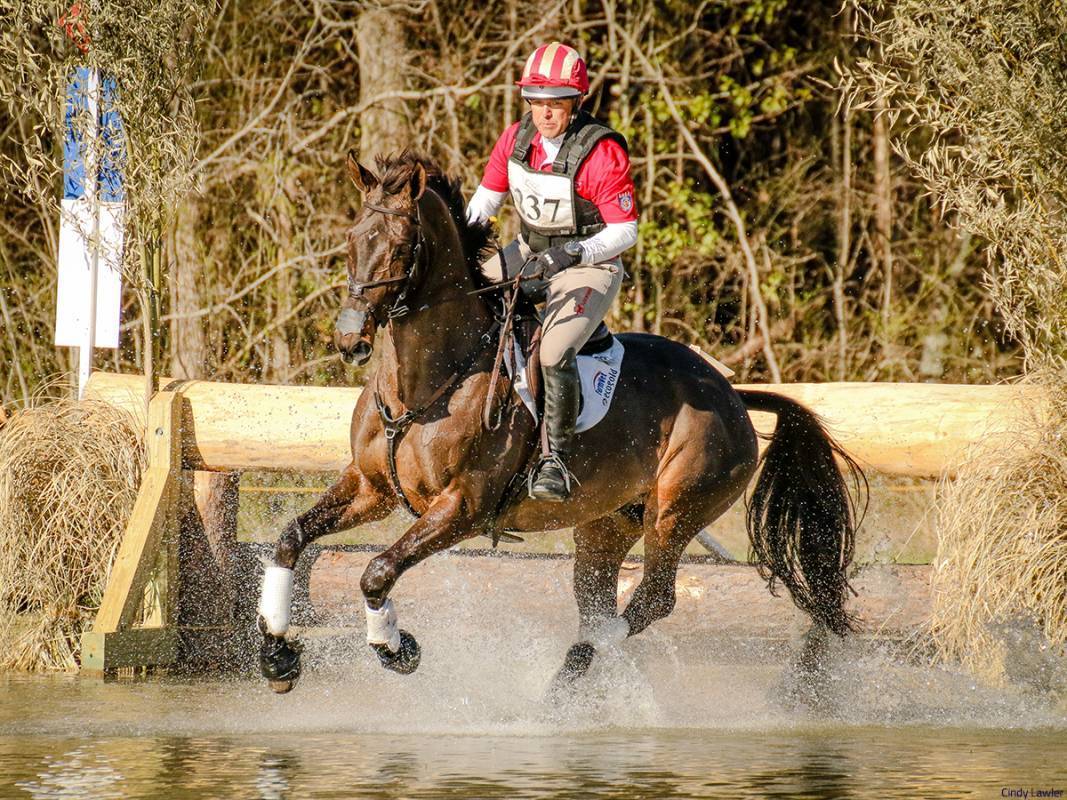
x=413, y=270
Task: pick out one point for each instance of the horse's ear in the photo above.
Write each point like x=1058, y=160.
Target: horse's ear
x=418, y=181
x=364, y=179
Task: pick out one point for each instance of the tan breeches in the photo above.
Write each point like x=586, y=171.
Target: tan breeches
x=576, y=300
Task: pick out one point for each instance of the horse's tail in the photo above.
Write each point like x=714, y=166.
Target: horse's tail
x=802, y=518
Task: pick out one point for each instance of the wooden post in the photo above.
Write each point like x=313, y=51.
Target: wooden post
x=115, y=642
x=208, y=542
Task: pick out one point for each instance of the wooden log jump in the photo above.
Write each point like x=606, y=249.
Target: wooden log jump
x=175, y=589
x=914, y=429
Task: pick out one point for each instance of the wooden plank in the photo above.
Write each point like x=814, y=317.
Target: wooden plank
x=152, y=519
x=915, y=430
x=105, y=652
x=231, y=426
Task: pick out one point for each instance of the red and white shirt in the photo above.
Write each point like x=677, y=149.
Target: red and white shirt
x=603, y=178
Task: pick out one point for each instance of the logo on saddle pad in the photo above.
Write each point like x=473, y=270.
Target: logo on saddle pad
x=604, y=384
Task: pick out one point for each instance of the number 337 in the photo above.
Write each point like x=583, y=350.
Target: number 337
x=530, y=205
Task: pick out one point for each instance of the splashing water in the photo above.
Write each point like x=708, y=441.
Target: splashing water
x=668, y=713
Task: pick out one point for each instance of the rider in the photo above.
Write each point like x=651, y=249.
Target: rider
x=569, y=178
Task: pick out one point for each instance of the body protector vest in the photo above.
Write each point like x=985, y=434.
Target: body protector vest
x=550, y=210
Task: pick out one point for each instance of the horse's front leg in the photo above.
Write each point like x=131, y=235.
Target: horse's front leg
x=448, y=520
x=351, y=501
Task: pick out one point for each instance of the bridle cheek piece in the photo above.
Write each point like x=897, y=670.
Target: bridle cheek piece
x=411, y=273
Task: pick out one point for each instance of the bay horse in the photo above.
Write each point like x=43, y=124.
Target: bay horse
x=675, y=450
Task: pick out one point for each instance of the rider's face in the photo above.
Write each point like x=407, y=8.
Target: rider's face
x=551, y=117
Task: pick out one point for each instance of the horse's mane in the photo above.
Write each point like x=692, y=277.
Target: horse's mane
x=477, y=238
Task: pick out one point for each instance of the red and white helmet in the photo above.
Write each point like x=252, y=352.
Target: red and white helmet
x=554, y=70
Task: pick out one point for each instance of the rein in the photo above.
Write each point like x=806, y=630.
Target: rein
x=490, y=422
x=395, y=426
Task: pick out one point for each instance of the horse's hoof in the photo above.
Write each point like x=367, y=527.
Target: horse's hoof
x=279, y=662
x=405, y=660
x=575, y=665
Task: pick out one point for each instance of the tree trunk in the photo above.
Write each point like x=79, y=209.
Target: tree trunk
x=383, y=66
x=883, y=214
x=842, y=144
x=188, y=345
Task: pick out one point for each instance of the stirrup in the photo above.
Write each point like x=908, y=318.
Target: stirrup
x=555, y=460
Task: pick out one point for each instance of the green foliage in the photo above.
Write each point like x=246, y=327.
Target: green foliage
x=150, y=47
x=987, y=79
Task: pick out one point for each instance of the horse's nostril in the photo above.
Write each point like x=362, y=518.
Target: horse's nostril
x=357, y=355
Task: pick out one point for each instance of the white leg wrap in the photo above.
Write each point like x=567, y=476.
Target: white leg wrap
x=382, y=627
x=605, y=632
x=276, y=600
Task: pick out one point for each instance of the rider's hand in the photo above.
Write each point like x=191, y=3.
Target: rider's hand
x=554, y=260
x=531, y=270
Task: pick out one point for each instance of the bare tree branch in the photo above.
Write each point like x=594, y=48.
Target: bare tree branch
x=656, y=74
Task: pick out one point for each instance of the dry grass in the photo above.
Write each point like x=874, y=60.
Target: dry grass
x=69, y=474
x=1002, y=553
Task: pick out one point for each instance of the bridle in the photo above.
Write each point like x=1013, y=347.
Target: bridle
x=395, y=425
x=411, y=273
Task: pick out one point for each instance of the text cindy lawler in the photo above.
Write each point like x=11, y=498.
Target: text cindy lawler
x=1031, y=792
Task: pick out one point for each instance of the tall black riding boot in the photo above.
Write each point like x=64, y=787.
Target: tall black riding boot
x=562, y=398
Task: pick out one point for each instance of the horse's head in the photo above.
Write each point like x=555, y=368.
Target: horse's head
x=385, y=256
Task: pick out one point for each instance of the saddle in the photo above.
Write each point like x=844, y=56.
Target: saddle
x=527, y=331
x=521, y=331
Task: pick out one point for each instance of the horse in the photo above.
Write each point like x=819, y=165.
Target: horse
x=675, y=450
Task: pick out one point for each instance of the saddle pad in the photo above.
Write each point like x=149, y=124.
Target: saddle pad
x=598, y=375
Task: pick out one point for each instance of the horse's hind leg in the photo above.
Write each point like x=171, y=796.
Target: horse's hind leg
x=698, y=480
x=654, y=597
x=599, y=549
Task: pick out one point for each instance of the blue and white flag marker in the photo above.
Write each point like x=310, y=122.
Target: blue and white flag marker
x=92, y=220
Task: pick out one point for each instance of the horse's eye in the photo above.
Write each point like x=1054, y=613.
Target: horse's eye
x=400, y=252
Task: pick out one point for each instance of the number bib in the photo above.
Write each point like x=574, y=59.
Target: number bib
x=545, y=201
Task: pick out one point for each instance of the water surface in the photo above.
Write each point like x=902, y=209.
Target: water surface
x=662, y=716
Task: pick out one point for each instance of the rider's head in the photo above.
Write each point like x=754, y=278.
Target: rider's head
x=553, y=82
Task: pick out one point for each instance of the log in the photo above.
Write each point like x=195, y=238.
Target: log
x=918, y=430
x=914, y=430
x=233, y=426
x=208, y=548
x=219, y=578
